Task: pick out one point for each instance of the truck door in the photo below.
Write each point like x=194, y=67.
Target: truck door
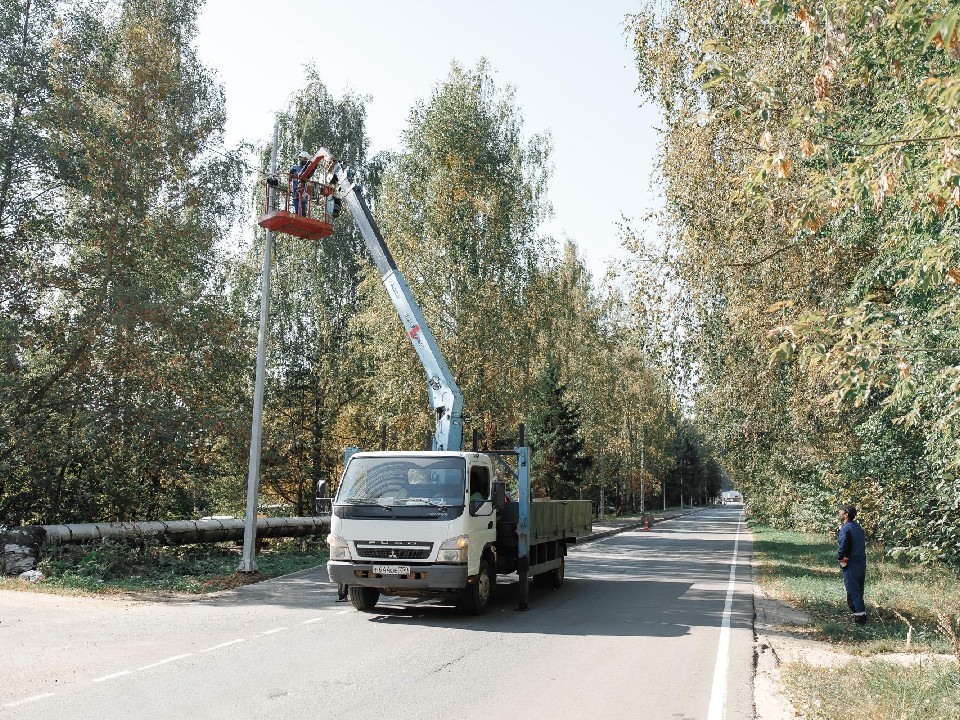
x=482, y=521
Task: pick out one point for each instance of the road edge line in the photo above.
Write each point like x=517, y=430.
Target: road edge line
x=718, y=692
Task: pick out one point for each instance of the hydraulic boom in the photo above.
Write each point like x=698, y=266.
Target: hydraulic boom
x=445, y=397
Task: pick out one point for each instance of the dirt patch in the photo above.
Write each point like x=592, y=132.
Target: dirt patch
x=231, y=581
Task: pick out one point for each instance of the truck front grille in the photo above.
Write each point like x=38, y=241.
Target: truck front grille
x=402, y=550
x=396, y=554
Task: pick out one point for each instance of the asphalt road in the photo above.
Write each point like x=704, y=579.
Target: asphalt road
x=648, y=624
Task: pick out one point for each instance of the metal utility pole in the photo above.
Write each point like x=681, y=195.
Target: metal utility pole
x=602, y=481
x=248, y=562
x=641, y=471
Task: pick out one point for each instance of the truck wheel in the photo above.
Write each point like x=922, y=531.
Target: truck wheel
x=551, y=578
x=476, y=596
x=364, y=598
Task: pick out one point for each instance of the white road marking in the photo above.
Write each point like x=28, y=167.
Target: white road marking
x=311, y=620
x=164, y=662
x=343, y=612
x=223, y=645
x=112, y=676
x=275, y=630
x=32, y=698
x=718, y=695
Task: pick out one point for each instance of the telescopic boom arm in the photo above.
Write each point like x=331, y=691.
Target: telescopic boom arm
x=445, y=397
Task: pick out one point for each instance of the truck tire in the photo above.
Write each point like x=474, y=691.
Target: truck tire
x=551, y=578
x=364, y=598
x=476, y=595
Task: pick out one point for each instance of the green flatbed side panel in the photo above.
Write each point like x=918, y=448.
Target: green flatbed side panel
x=549, y=520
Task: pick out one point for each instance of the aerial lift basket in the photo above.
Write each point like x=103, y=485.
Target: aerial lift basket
x=313, y=224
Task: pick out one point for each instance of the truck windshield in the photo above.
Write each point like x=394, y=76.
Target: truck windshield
x=392, y=482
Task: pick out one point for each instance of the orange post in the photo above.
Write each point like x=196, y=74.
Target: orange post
x=646, y=522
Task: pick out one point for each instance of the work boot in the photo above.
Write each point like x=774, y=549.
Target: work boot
x=860, y=619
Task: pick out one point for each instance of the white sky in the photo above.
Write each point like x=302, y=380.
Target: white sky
x=569, y=62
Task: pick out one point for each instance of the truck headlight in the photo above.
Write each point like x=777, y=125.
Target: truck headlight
x=339, y=550
x=453, y=550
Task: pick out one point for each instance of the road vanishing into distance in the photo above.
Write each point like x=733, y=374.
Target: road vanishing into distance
x=652, y=624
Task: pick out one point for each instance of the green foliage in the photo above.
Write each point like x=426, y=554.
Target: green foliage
x=559, y=465
x=115, y=406
x=459, y=206
x=809, y=160
x=118, y=565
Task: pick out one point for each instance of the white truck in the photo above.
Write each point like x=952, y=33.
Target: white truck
x=436, y=522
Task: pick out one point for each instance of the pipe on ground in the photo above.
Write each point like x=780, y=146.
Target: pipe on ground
x=21, y=545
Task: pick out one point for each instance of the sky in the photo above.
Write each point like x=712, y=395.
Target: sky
x=571, y=67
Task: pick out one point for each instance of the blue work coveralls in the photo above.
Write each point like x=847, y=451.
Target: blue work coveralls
x=852, y=545
x=299, y=203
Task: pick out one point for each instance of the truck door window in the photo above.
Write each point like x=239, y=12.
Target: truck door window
x=479, y=482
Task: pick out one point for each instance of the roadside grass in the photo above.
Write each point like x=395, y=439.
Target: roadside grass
x=905, y=606
x=877, y=690
x=120, y=567
x=902, y=598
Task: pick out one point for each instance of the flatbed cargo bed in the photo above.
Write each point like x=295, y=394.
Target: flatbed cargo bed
x=550, y=520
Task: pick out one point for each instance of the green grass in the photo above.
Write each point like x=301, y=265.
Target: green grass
x=903, y=602
x=801, y=568
x=875, y=689
x=112, y=567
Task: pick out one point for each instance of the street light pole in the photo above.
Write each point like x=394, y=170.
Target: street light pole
x=642, y=508
x=248, y=562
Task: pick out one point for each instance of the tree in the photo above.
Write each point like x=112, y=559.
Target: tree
x=459, y=206
x=120, y=404
x=559, y=463
x=809, y=166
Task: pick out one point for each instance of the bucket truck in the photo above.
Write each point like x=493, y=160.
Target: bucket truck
x=436, y=523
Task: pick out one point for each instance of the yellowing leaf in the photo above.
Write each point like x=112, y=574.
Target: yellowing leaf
x=779, y=306
x=784, y=166
x=903, y=368
x=807, y=21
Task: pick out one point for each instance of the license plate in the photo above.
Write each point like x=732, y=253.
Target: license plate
x=391, y=569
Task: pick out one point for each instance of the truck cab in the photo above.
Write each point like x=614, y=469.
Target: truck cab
x=414, y=524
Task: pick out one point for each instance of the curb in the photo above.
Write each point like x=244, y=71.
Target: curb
x=632, y=526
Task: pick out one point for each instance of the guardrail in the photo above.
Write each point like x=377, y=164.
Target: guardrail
x=22, y=545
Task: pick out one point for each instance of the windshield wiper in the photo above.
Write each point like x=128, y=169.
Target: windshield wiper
x=428, y=501
x=367, y=502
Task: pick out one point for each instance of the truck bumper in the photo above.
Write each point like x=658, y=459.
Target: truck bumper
x=421, y=577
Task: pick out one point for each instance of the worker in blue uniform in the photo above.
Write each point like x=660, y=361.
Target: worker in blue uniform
x=298, y=194
x=852, y=556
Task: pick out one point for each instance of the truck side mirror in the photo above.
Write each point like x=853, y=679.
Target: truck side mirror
x=499, y=494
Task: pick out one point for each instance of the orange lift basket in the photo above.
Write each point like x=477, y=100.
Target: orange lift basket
x=315, y=223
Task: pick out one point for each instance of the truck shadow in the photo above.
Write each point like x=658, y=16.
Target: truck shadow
x=658, y=584
x=584, y=607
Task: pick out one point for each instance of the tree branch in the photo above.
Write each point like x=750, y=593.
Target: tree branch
x=768, y=256
x=902, y=141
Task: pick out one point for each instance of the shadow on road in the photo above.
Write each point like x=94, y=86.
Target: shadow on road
x=635, y=584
